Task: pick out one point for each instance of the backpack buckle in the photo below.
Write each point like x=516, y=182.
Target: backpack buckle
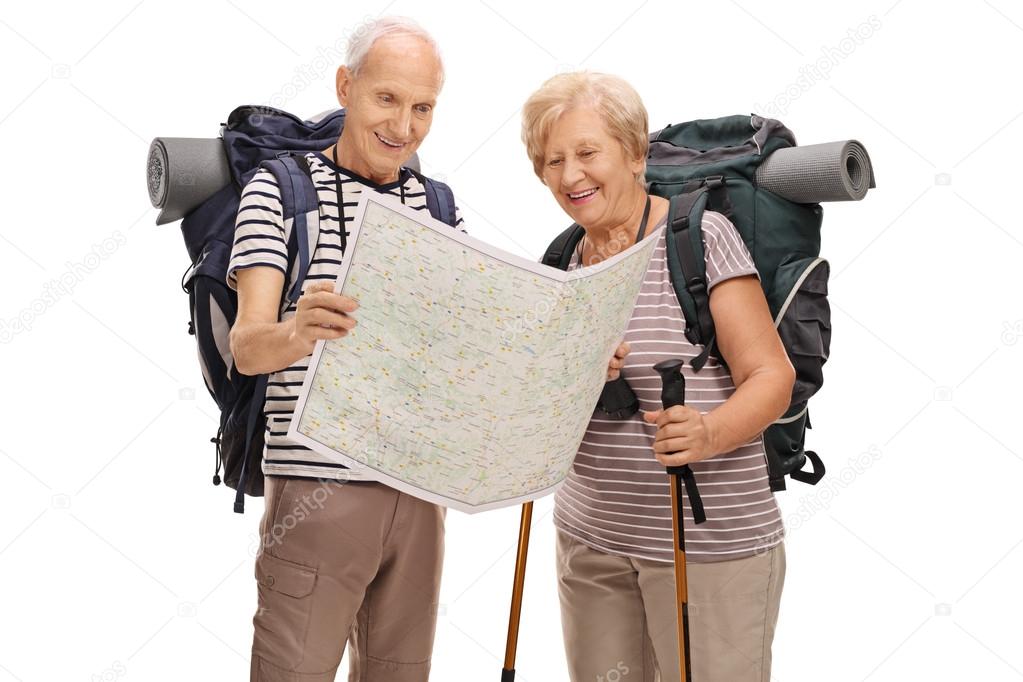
x=715, y=182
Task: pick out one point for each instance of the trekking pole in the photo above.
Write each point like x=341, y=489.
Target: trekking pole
x=673, y=392
x=508, y=672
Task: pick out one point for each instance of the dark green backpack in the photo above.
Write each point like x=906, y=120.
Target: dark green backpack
x=711, y=165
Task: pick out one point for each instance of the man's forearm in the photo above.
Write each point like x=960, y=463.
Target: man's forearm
x=754, y=406
x=261, y=348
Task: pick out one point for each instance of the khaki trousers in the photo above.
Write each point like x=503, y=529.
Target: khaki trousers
x=354, y=561
x=618, y=616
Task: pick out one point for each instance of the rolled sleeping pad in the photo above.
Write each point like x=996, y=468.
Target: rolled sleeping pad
x=832, y=171
x=182, y=172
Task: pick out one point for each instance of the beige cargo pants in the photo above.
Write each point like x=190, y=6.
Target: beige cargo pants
x=351, y=562
x=619, y=622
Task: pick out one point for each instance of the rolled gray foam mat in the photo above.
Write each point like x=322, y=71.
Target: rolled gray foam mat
x=832, y=171
x=182, y=172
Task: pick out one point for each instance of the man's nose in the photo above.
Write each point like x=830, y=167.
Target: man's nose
x=402, y=123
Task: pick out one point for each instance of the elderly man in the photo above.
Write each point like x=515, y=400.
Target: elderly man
x=342, y=557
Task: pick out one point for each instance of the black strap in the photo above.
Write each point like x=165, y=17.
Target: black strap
x=681, y=211
x=559, y=253
x=718, y=195
x=811, y=477
x=701, y=330
x=340, y=201
x=216, y=453
x=684, y=476
x=642, y=223
x=255, y=411
x=700, y=360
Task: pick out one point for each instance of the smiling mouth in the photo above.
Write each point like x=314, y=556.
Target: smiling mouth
x=393, y=144
x=582, y=196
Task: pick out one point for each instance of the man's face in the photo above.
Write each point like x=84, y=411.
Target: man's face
x=389, y=106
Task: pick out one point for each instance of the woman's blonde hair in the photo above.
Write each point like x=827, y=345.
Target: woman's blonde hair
x=615, y=101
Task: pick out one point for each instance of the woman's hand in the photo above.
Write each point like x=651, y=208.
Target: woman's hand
x=684, y=435
x=614, y=367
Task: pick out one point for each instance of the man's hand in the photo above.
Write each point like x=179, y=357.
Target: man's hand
x=322, y=314
x=614, y=367
x=684, y=435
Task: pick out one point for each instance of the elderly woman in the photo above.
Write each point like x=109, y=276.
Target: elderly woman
x=586, y=134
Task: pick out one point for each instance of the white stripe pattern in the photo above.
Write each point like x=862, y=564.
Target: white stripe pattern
x=616, y=498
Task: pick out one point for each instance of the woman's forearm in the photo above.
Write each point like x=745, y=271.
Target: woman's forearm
x=762, y=398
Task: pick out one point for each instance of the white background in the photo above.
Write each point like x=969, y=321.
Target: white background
x=119, y=559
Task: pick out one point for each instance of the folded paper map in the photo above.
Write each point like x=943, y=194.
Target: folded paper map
x=472, y=373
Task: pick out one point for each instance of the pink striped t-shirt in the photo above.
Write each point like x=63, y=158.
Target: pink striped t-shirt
x=616, y=498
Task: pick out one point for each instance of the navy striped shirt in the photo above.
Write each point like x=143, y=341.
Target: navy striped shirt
x=260, y=242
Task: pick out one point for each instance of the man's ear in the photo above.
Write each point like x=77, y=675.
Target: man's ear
x=344, y=84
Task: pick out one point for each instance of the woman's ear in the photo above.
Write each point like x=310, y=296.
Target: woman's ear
x=638, y=168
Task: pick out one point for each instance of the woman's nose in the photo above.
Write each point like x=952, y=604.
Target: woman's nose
x=572, y=173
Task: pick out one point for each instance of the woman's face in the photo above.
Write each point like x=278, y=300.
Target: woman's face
x=588, y=172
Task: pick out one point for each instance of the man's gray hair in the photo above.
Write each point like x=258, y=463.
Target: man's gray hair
x=366, y=34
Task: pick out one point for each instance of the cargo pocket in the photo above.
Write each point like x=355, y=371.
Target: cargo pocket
x=784, y=446
x=285, y=602
x=804, y=323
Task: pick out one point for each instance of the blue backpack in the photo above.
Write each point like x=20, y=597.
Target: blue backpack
x=254, y=138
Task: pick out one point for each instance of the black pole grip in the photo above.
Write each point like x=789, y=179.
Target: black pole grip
x=673, y=392
x=673, y=383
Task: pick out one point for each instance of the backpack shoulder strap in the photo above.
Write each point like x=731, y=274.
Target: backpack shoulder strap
x=688, y=270
x=559, y=253
x=299, y=203
x=440, y=200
